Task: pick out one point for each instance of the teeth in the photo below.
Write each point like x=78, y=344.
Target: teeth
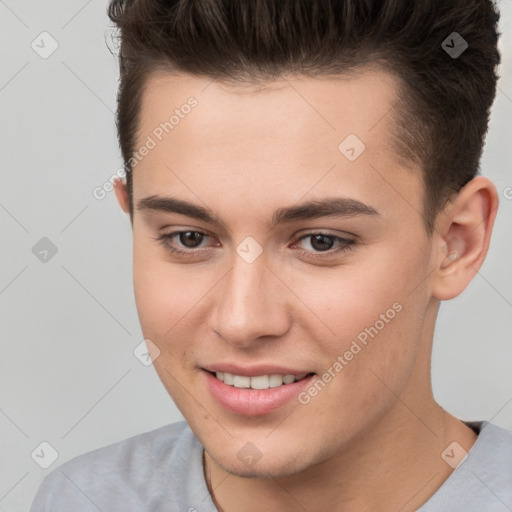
x=259, y=382
x=288, y=379
x=275, y=381
x=241, y=382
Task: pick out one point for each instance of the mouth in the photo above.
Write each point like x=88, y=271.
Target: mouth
x=255, y=395
x=258, y=381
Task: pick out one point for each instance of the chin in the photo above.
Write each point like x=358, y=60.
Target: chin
x=260, y=471
x=268, y=466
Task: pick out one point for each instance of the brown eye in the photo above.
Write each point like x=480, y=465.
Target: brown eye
x=190, y=238
x=322, y=242
x=183, y=243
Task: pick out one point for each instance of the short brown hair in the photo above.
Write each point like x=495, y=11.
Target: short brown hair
x=443, y=111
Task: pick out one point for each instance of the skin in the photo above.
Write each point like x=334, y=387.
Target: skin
x=373, y=438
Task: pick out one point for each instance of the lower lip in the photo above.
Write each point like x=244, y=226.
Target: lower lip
x=254, y=402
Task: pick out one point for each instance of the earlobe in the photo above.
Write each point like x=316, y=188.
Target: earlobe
x=122, y=195
x=463, y=237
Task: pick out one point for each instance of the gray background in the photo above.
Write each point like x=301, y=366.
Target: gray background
x=69, y=325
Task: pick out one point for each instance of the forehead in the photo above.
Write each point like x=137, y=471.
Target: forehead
x=296, y=134
x=360, y=103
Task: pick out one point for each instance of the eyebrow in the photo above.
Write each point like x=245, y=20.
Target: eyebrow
x=327, y=207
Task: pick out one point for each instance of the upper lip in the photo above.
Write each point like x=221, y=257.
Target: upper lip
x=253, y=371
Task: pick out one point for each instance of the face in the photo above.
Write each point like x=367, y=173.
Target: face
x=267, y=243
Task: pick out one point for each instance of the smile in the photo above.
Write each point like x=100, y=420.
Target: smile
x=259, y=381
x=256, y=395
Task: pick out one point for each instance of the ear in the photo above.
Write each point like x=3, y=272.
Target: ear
x=462, y=236
x=122, y=195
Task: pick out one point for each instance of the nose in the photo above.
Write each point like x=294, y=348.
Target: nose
x=251, y=304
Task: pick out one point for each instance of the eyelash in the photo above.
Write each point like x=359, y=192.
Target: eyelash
x=348, y=244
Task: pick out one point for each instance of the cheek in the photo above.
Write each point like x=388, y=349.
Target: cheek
x=165, y=304
x=161, y=294
x=374, y=310
x=352, y=297
x=172, y=302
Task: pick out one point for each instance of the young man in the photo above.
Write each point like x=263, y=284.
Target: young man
x=303, y=189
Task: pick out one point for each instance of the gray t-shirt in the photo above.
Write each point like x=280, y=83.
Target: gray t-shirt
x=162, y=471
